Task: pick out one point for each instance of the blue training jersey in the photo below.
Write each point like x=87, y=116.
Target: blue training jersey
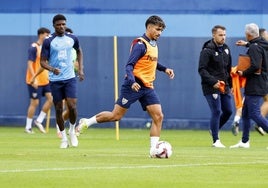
x=58, y=51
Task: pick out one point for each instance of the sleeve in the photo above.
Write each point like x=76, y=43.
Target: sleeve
x=203, y=68
x=76, y=44
x=138, y=50
x=32, y=53
x=255, y=55
x=229, y=70
x=161, y=67
x=45, y=52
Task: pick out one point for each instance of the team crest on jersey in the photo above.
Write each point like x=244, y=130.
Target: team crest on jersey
x=124, y=101
x=34, y=95
x=226, y=51
x=215, y=96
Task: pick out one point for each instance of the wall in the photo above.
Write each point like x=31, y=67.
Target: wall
x=189, y=25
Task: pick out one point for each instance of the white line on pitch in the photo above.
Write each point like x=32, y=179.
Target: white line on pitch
x=127, y=167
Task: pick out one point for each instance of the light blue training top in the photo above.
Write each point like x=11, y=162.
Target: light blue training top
x=58, y=51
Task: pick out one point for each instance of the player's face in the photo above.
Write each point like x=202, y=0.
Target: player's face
x=219, y=36
x=43, y=36
x=60, y=27
x=154, y=31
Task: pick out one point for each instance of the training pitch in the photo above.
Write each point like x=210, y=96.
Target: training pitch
x=102, y=161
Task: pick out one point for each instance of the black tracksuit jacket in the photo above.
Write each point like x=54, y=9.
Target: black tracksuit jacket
x=257, y=84
x=215, y=64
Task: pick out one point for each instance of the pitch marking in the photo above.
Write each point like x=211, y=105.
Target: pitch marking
x=127, y=167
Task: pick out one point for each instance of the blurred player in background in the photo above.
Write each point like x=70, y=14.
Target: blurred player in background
x=138, y=84
x=38, y=86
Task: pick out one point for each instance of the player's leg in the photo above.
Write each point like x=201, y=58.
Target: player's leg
x=226, y=108
x=34, y=102
x=264, y=112
x=214, y=103
x=235, y=124
x=105, y=116
x=115, y=115
x=256, y=116
x=244, y=142
x=264, y=106
x=155, y=111
x=30, y=113
x=150, y=102
x=71, y=103
x=58, y=111
x=65, y=113
x=46, y=106
x=126, y=98
x=58, y=96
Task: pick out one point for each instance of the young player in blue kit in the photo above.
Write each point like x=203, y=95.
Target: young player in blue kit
x=56, y=56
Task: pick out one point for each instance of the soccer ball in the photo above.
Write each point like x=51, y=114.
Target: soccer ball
x=163, y=149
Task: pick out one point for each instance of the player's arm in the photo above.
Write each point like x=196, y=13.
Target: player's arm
x=168, y=71
x=45, y=65
x=79, y=53
x=40, y=70
x=31, y=60
x=137, y=51
x=31, y=70
x=45, y=53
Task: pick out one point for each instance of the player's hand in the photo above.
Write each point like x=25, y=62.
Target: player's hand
x=241, y=43
x=170, y=73
x=81, y=75
x=135, y=86
x=240, y=73
x=56, y=71
x=35, y=85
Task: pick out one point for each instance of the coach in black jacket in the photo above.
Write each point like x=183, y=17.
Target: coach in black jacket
x=256, y=85
x=215, y=64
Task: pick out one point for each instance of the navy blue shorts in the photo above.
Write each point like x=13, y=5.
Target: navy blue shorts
x=63, y=89
x=146, y=96
x=39, y=92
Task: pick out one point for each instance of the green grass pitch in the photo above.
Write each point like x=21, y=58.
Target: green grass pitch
x=102, y=161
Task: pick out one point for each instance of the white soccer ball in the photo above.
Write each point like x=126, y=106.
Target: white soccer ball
x=163, y=149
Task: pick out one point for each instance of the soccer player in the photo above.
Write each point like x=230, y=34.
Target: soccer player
x=138, y=84
x=56, y=56
x=65, y=113
x=37, y=86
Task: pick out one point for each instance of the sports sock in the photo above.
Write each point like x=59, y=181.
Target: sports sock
x=237, y=119
x=72, y=126
x=91, y=121
x=154, y=140
x=64, y=136
x=41, y=117
x=29, y=122
x=57, y=127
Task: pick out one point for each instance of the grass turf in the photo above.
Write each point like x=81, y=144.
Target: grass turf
x=102, y=161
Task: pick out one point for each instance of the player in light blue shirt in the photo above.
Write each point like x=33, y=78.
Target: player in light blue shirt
x=56, y=56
